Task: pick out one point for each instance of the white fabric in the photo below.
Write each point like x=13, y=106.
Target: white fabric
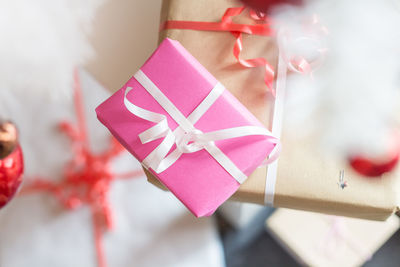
x=186, y=131
x=152, y=228
x=46, y=39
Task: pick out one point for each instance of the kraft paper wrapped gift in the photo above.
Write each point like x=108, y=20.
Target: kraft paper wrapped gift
x=319, y=240
x=186, y=129
x=304, y=179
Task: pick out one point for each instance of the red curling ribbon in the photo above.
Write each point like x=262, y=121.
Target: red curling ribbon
x=86, y=177
x=314, y=33
x=226, y=24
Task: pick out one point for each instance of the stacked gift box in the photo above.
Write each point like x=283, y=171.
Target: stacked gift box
x=320, y=240
x=304, y=179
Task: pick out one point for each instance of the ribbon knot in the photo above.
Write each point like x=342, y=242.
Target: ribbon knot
x=190, y=142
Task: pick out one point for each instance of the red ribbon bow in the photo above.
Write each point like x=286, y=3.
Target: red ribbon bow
x=86, y=177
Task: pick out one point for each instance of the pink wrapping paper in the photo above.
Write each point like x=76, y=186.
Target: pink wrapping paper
x=196, y=179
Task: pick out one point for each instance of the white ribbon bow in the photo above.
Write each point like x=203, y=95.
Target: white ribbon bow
x=186, y=137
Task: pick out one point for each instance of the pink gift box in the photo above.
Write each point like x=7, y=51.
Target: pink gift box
x=196, y=179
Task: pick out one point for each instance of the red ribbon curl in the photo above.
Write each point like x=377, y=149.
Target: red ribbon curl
x=237, y=30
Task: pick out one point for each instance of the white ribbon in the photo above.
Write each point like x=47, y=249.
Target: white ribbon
x=288, y=60
x=277, y=121
x=187, y=138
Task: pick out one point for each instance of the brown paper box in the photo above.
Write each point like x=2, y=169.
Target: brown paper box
x=319, y=240
x=305, y=181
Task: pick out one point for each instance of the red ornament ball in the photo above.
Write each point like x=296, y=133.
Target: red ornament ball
x=11, y=169
x=11, y=162
x=265, y=5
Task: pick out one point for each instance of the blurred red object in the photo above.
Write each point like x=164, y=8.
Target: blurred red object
x=265, y=5
x=373, y=168
x=86, y=177
x=11, y=162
